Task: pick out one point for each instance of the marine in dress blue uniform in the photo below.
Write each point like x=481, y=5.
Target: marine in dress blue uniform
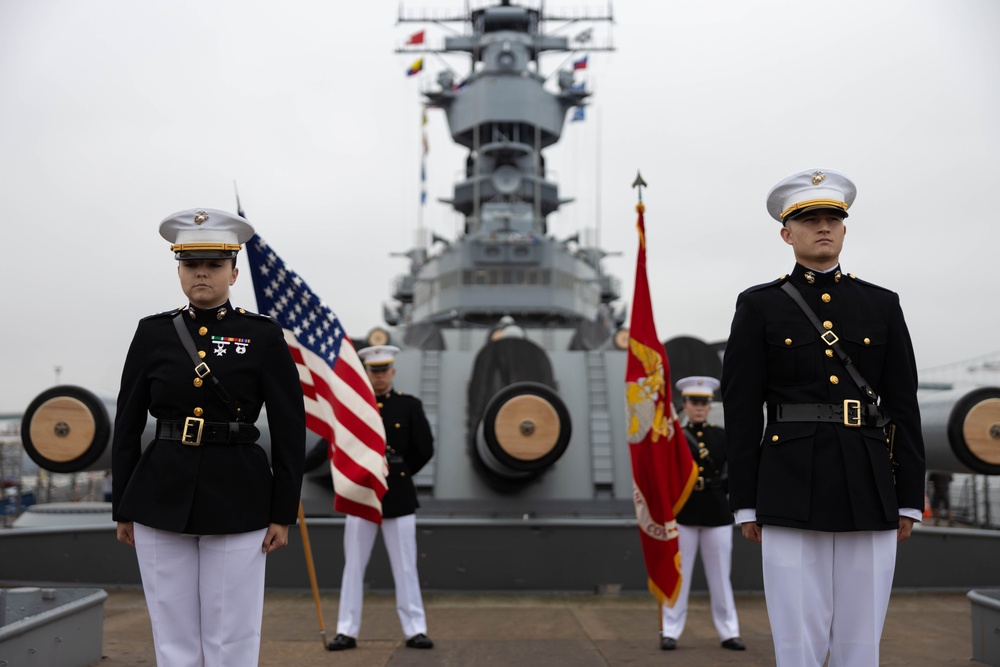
x=705, y=522
x=818, y=490
x=409, y=446
x=201, y=502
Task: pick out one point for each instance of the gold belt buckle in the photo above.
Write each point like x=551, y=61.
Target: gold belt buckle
x=849, y=405
x=192, y=423
x=699, y=484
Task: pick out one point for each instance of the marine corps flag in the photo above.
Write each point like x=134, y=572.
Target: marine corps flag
x=663, y=472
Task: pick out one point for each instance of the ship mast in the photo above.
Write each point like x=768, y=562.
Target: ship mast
x=506, y=113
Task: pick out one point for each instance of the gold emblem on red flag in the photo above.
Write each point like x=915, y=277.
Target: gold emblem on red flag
x=645, y=396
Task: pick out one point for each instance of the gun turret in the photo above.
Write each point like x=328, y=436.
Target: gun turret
x=518, y=424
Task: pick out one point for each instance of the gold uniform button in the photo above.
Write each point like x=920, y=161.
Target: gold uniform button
x=834, y=379
x=380, y=404
x=788, y=341
x=699, y=434
x=826, y=298
x=201, y=354
x=701, y=469
x=198, y=412
x=402, y=474
x=202, y=331
x=868, y=341
x=774, y=438
x=397, y=425
x=197, y=382
x=829, y=352
x=827, y=325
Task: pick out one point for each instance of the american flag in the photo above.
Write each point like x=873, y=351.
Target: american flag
x=339, y=401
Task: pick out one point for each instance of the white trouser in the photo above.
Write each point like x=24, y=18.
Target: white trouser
x=716, y=545
x=205, y=595
x=400, y=536
x=827, y=592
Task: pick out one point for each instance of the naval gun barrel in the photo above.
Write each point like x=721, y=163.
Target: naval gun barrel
x=518, y=423
x=961, y=429
x=68, y=429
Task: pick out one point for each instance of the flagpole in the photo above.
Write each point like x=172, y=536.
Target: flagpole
x=597, y=179
x=307, y=550
x=423, y=175
x=639, y=184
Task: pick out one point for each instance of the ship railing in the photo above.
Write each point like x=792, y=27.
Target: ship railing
x=975, y=501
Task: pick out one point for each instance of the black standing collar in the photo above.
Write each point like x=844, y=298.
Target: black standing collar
x=803, y=276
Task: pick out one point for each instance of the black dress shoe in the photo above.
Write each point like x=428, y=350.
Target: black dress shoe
x=341, y=643
x=734, y=644
x=668, y=643
x=419, y=641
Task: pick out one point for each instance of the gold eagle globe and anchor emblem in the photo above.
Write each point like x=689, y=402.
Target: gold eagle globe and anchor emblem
x=645, y=400
x=644, y=397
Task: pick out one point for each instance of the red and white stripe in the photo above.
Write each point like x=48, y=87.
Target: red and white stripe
x=340, y=407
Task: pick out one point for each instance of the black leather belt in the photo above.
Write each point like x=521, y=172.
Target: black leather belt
x=851, y=412
x=195, y=431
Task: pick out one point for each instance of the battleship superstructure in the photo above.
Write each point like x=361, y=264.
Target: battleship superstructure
x=508, y=333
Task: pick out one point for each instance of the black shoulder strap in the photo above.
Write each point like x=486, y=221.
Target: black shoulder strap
x=831, y=339
x=692, y=443
x=202, y=370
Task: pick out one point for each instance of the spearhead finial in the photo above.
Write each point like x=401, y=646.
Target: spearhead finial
x=639, y=183
x=239, y=208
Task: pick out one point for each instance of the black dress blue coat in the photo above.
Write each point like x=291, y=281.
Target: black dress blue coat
x=212, y=488
x=820, y=476
x=709, y=504
x=409, y=445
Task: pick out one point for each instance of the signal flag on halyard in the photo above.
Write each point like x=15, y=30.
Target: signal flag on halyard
x=340, y=404
x=580, y=63
x=416, y=38
x=423, y=156
x=663, y=472
x=416, y=67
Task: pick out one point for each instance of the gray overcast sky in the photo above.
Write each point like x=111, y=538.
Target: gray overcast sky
x=116, y=113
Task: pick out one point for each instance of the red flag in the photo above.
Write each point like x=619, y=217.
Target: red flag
x=663, y=472
x=339, y=401
x=416, y=38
